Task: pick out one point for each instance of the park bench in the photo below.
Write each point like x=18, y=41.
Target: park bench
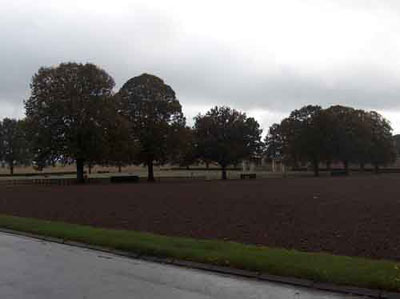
x=124, y=179
x=244, y=176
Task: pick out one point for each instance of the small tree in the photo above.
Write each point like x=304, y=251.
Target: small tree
x=14, y=146
x=64, y=113
x=274, y=142
x=155, y=118
x=226, y=136
x=183, y=148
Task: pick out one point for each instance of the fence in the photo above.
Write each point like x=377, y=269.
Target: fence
x=52, y=181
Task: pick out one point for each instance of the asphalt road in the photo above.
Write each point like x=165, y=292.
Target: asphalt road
x=31, y=268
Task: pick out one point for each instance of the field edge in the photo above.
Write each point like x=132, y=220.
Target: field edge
x=314, y=267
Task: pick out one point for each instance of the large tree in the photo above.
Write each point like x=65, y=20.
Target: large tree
x=155, y=118
x=360, y=137
x=64, y=113
x=14, y=146
x=226, y=136
x=299, y=138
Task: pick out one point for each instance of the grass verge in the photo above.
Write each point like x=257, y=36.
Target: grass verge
x=321, y=267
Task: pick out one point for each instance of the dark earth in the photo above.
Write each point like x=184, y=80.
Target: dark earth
x=356, y=216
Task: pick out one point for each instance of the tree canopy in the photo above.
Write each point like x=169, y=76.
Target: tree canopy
x=396, y=139
x=14, y=145
x=226, y=136
x=155, y=118
x=72, y=116
x=64, y=113
x=338, y=133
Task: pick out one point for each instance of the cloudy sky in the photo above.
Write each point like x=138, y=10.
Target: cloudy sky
x=264, y=57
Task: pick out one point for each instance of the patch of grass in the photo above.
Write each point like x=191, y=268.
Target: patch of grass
x=322, y=267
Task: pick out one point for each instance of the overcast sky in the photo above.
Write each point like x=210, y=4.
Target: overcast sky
x=264, y=57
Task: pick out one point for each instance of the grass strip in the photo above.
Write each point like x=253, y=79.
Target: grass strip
x=321, y=267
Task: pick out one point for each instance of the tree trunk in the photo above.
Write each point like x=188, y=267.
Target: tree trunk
x=362, y=166
x=207, y=165
x=328, y=165
x=119, y=168
x=12, y=168
x=150, y=176
x=90, y=168
x=224, y=172
x=346, y=166
x=79, y=171
x=316, y=167
x=376, y=168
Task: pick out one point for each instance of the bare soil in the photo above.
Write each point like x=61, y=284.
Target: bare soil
x=356, y=216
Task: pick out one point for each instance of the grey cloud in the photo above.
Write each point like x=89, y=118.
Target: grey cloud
x=287, y=90
x=202, y=70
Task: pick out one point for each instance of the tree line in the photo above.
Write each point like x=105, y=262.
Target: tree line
x=336, y=134
x=73, y=116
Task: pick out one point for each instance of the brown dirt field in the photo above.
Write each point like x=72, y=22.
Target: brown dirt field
x=356, y=216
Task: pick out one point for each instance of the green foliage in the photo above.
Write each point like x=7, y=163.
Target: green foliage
x=155, y=118
x=184, y=148
x=64, y=113
x=274, y=142
x=226, y=136
x=320, y=267
x=396, y=139
x=72, y=116
x=381, y=147
x=360, y=137
x=312, y=134
x=14, y=144
x=344, y=123
x=306, y=142
x=116, y=148
x=299, y=138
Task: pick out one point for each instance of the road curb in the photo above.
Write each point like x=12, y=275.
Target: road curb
x=369, y=293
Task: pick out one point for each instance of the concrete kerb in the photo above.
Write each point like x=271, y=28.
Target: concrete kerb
x=370, y=293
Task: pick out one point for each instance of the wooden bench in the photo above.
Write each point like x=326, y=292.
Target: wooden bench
x=244, y=176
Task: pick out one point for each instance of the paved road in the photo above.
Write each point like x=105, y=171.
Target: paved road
x=32, y=268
